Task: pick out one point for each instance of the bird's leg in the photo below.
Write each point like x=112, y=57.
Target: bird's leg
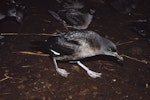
x=54, y=52
x=90, y=72
x=61, y=71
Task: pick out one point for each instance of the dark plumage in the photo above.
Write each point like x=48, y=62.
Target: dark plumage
x=77, y=45
x=74, y=18
x=123, y=6
x=20, y=13
x=72, y=4
x=11, y=10
x=6, y=9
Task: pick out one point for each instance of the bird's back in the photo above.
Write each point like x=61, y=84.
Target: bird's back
x=82, y=40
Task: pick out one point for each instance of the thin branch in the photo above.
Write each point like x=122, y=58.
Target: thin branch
x=32, y=53
x=36, y=34
x=142, y=61
x=6, y=77
x=5, y=93
x=128, y=42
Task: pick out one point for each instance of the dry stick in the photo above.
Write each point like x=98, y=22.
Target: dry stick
x=5, y=93
x=142, y=61
x=38, y=34
x=20, y=34
x=6, y=77
x=119, y=44
x=109, y=69
x=32, y=53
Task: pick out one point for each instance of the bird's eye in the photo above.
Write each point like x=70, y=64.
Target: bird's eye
x=112, y=49
x=14, y=11
x=109, y=49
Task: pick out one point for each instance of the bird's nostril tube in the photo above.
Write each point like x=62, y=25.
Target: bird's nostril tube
x=120, y=58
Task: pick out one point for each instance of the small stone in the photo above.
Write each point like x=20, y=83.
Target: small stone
x=114, y=80
x=95, y=88
x=21, y=86
x=70, y=96
x=75, y=68
x=146, y=85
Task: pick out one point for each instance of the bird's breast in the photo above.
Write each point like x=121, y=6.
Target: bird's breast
x=86, y=50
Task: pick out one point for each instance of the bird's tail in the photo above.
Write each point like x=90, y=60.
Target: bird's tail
x=51, y=39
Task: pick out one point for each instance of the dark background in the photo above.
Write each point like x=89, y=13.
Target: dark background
x=34, y=77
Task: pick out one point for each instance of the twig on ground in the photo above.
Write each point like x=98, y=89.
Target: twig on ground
x=6, y=77
x=29, y=34
x=142, y=61
x=5, y=93
x=26, y=66
x=128, y=42
x=32, y=53
x=109, y=69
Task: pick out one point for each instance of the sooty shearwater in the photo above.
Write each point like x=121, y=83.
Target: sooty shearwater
x=77, y=45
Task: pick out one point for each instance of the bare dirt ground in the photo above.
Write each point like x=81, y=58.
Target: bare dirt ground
x=33, y=77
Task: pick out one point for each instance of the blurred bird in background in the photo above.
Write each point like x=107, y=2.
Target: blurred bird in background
x=73, y=15
x=74, y=18
x=11, y=11
x=123, y=6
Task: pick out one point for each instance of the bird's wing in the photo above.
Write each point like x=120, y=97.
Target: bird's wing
x=78, y=36
x=83, y=37
x=62, y=45
x=55, y=15
x=74, y=18
x=70, y=16
x=71, y=41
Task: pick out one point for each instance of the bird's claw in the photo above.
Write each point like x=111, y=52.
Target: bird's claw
x=94, y=74
x=62, y=72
